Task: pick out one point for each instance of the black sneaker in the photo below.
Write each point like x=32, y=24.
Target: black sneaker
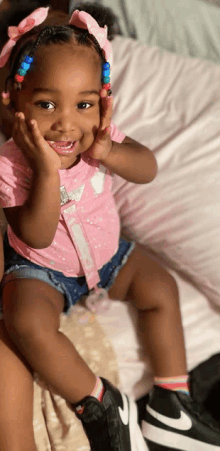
x=173, y=421
x=111, y=425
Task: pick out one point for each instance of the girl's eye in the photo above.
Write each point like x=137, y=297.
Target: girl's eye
x=84, y=105
x=46, y=105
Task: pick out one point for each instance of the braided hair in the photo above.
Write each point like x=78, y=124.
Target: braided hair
x=44, y=35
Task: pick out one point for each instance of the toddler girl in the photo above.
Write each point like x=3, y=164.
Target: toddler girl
x=64, y=230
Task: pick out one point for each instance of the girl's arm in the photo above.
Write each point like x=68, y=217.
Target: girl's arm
x=132, y=161
x=35, y=222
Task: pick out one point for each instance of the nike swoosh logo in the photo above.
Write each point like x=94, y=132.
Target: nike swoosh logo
x=184, y=423
x=174, y=440
x=124, y=414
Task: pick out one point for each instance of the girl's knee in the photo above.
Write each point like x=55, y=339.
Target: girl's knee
x=167, y=284
x=165, y=287
x=31, y=316
x=159, y=291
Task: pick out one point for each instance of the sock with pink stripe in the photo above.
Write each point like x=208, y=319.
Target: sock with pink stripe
x=97, y=392
x=177, y=383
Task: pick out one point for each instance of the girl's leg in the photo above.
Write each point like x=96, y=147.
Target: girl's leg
x=32, y=316
x=170, y=418
x=31, y=312
x=154, y=292
x=16, y=398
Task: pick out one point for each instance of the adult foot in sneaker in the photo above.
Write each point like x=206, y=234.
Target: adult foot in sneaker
x=111, y=425
x=172, y=421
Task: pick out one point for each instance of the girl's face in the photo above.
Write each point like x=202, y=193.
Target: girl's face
x=62, y=95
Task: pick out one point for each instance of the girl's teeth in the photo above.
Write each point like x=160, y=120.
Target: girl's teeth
x=66, y=147
x=63, y=144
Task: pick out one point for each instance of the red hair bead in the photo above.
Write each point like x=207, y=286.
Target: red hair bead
x=106, y=86
x=19, y=78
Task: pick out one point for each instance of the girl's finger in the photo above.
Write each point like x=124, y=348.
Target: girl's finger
x=102, y=135
x=36, y=134
x=23, y=126
x=107, y=106
x=26, y=135
x=109, y=109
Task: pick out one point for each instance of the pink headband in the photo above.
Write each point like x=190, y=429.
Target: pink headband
x=14, y=33
x=81, y=19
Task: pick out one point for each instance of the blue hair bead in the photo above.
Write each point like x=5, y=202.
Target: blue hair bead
x=105, y=66
x=106, y=73
x=28, y=59
x=25, y=66
x=22, y=71
x=106, y=79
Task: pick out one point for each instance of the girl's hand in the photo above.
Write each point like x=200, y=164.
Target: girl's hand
x=102, y=145
x=41, y=156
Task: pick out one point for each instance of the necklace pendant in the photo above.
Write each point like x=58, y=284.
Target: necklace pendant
x=64, y=198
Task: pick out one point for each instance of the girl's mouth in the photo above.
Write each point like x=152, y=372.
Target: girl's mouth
x=63, y=147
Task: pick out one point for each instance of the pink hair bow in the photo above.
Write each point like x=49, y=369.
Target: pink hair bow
x=81, y=19
x=36, y=18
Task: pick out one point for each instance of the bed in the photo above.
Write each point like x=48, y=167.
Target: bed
x=171, y=103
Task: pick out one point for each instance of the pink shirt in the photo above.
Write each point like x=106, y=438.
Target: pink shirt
x=88, y=231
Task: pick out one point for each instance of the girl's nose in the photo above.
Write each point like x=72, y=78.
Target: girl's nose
x=64, y=125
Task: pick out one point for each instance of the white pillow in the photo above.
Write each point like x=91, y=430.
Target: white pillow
x=186, y=27
x=172, y=105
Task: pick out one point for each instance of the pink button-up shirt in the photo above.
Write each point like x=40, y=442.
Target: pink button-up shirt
x=88, y=230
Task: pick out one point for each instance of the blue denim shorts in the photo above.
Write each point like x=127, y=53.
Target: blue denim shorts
x=73, y=288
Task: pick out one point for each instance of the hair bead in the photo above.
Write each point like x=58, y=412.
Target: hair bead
x=17, y=86
x=5, y=98
x=106, y=86
x=6, y=102
x=106, y=66
x=106, y=79
x=25, y=66
x=19, y=78
x=22, y=71
x=106, y=73
x=29, y=59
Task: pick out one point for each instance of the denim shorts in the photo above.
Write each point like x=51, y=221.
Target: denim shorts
x=73, y=288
